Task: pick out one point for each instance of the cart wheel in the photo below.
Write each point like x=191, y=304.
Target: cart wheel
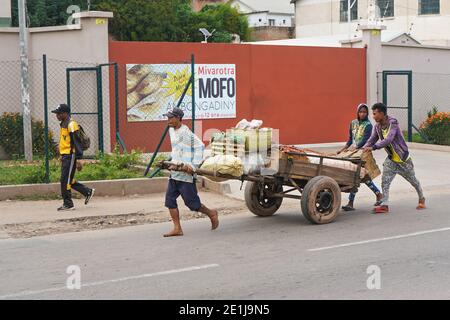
x=262, y=205
x=321, y=200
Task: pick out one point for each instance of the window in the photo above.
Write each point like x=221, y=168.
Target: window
x=353, y=10
x=284, y=21
x=386, y=8
x=429, y=7
x=271, y=22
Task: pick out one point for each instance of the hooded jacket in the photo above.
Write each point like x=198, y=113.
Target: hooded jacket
x=360, y=129
x=394, y=139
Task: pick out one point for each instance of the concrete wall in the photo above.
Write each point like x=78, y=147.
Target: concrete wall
x=307, y=92
x=81, y=45
x=322, y=17
x=271, y=33
x=431, y=79
x=281, y=20
x=5, y=13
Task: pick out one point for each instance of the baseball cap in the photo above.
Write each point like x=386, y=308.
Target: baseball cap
x=61, y=108
x=175, y=112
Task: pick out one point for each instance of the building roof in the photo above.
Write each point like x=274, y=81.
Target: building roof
x=335, y=40
x=279, y=6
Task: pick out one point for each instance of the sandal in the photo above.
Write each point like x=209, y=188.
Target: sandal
x=381, y=209
x=421, y=205
x=378, y=202
x=348, y=208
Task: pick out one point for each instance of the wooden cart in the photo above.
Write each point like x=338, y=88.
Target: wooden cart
x=317, y=186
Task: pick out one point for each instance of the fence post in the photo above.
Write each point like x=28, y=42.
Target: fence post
x=100, y=109
x=193, y=90
x=47, y=167
x=156, y=151
x=410, y=118
x=68, y=88
x=116, y=94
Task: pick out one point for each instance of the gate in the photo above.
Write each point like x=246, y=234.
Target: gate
x=85, y=99
x=397, y=96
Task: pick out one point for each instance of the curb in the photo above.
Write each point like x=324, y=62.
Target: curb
x=123, y=187
x=425, y=146
x=102, y=188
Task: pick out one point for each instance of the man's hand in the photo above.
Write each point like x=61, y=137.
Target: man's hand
x=188, y=169
x=351, y=149
x=342, y=150
x=366, y=149
x=79, y=165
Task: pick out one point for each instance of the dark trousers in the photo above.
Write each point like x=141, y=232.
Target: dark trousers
x=68, y=168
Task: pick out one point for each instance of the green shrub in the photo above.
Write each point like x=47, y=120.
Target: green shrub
x=120, y=161
x=11, y=136
x=437, y=127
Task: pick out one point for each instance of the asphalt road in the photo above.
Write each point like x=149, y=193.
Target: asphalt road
x=248, y=257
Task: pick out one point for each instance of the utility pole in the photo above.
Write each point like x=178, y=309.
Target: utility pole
x=25, y=92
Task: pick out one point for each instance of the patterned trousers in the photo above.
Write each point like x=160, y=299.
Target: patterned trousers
x=405, y=169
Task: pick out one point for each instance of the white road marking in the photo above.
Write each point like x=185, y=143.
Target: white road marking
x=381, y=239
x=99, y=283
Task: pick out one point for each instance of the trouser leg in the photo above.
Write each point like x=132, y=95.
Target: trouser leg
x=407, y=172
x=372, y=187
x=67, y=163
x=389, y=171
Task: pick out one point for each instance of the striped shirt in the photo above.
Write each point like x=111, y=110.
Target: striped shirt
x=187, y=148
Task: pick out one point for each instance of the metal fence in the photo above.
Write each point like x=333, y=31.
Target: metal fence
x=427, y=90
x=153, y=89
x=84, y=86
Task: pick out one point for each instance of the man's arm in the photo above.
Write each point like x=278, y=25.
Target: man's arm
x=373, y=139
x=195, y=154
x=75, y=140
x=349, y=141
x=390, y=137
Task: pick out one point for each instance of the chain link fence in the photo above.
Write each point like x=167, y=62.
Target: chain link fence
x=84, y=86
x=429, y=90
x=151, y=91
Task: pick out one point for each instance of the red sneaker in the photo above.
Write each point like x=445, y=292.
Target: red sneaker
x=381, y=209
x=421, y=204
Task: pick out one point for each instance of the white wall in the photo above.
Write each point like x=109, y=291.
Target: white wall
x=83, y=45
x=5, y=8
x=431, y=79
x=281, y=20
x=322, y=17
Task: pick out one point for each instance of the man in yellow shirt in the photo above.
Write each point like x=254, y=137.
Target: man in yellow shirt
x=70, y=150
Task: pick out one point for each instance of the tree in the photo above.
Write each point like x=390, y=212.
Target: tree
x=44, y=13
x=146, y=20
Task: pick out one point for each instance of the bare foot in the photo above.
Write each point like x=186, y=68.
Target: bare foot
x=174, y=233
x=214, y=219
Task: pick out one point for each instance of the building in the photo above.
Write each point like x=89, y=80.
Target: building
x=263, y=13
x=5, y=13
x=268, y=19
x=427, y=21
x=197, y=5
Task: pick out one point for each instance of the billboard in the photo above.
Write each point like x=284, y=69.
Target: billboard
x=153, y=89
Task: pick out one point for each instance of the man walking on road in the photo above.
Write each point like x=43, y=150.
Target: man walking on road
x=70, y=150
x=398, y=161
x=187, y=148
